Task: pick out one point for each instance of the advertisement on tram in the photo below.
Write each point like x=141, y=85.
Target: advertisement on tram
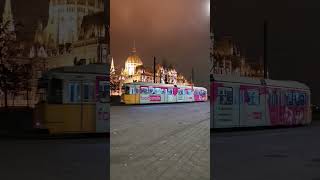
x=247, y=102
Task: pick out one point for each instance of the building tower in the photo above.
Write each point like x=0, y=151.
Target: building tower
x=112, y=69
x=132, y=62
x=7, y=16
x=65, y=19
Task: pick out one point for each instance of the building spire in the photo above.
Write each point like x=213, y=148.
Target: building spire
x=134, y=50
x=112, y=69
x=7, y=15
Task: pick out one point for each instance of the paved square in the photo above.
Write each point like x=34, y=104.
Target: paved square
x=164, y=141
x=278, y=154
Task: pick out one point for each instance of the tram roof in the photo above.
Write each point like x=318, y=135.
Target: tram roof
x=82, y=69
x=256, y=81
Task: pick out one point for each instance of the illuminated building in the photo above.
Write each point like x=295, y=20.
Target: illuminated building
x=65, y=19
x=136, y=71
x=132, y=62
x=227, y=60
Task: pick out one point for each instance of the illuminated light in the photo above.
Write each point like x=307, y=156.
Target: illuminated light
x=208, y=8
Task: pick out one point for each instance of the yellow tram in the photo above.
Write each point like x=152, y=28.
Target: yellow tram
x=151, y=93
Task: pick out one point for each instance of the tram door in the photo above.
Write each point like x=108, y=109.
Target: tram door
x=189, y=95
x=273, y=108
x=144, y=95
x=181, y=95
x=165, y=95
x=252, y=106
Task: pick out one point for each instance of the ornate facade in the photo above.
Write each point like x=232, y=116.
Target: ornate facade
x=65, y=19
x=75, y=33
x=227, y=60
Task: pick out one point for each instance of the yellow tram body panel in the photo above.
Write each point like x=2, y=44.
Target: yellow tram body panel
x=67, y=118
x=131, y=98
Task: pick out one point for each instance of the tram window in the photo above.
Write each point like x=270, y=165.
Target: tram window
x=203, y=93
x=252, y=97
x=157, y=91
x=289, y=99
x=71, y=93
x=225, y=95
x=127, y=90
x=302, y=99
x=151, y=91
x=161, y=91
x=55, y=91
x=189, y=92
x=295, y=99
x=196, y=92
x=170, y=91
x=299, y=99
x=74, y=92
x=144, y=90
x=86, y=92
x=181, y=92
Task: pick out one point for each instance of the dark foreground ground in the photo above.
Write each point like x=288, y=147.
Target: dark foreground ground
x=277, y=154
x=63, y=159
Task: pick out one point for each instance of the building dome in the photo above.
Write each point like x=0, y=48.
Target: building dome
x=132, y=62
x=134, y=59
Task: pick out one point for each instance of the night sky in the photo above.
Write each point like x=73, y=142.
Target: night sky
x=293, y=35
x=177, y=30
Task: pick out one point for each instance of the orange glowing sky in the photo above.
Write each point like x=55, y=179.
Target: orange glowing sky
x=177, y=30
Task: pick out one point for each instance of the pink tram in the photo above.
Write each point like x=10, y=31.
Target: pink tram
x=246, y=102
x=150, y=93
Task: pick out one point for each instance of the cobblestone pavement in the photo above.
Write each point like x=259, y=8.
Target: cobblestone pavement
x=161, y=142
x=278, y=154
